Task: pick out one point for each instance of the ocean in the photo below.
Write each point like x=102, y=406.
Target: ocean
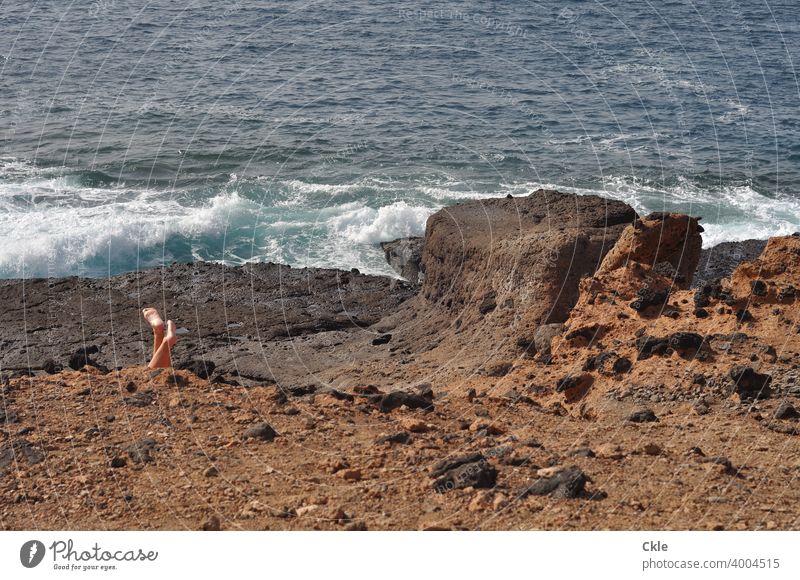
x=137, y=133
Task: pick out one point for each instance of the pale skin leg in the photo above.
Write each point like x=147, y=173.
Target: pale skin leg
x=162, y=341
x=154, y=320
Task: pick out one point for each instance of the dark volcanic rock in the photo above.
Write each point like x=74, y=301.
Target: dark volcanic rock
x=403, y=438
x=143, y=399
x=478, y=474
x=8, y=416
x=648, y=298
x=18, y=450
x=405, y=257
x=202, y=368
x=253, y=307
x=262, y=431
x=452, y=462
x=382, y=339
x=82, y=357
x=642, y=416
x=142, y=450
x=397, y=399
x=749, y=384
x=786, y=411
x=569, y=483
x=51, y=367
x=721, y=260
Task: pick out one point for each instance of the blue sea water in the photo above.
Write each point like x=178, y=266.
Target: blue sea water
x=139, y=132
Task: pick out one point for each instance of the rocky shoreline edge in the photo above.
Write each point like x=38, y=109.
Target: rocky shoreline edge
x=545, y=348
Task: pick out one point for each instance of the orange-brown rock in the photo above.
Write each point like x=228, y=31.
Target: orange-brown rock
x=666, y=242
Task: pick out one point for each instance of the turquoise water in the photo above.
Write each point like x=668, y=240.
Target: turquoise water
x=138, y=133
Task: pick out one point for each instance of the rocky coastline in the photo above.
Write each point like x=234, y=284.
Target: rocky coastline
x=550, y=361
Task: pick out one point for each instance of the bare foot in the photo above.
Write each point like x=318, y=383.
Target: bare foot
x=170, y=337
x=152, y=317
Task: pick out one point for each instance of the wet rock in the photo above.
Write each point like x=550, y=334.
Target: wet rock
x=262, y=431
x=749, y=384
x=567, y=483
x=404, y=255
x=142, y=450
x=642, y=416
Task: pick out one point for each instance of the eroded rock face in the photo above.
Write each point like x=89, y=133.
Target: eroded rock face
x=772, y=277
x=518, y=260
x=405, y=257
x=668, y=243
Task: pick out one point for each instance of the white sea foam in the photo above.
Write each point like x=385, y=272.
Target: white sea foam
x=54, y=225
x=367, y=225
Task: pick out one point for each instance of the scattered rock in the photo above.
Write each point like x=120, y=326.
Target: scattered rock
x=567, y=483
x=402, y=438
x=544, y=335
x=414, y=425
x=642, y=416
x=19, y=449
x=478, y=474
x=382, y=339
x=350, y=474
x=652, y=449
x=81, y=357
x=211, y=524
x=748, y=384
x=396, y=399
x=211, y=471
x=142, y=450
x=609, y=451
x=574, y=387
x=262, y=431
x=786, y=411
x=51, y=367
x=142, y=399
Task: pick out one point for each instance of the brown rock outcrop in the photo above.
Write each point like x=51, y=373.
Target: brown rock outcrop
x=518, y=260
x=665, y=242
